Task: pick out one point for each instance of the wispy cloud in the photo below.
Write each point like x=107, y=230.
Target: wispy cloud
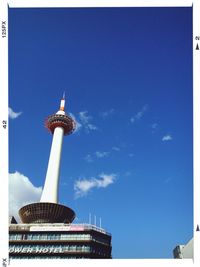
x=128, y=173
x=167, y=180
x=83, y=186
x=88, y=158
x=115, y=148
x=12, y=114
x=85, y=120
x=101, y=154
x=107, y=113
x=154, y=126
x=98, y=154
x=21, y=192
x=139, y=114
x=167, y=138
x=78, y=124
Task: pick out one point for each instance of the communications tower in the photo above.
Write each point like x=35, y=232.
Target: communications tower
x=48, y=210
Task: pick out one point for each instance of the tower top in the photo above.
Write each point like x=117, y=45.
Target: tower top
x=61, y=119
x=62, y=105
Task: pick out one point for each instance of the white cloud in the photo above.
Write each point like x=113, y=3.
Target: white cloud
x=84, y=117
x=167, y=138
x=139, y=114
x=21, y=192
x=107, y=113
x=91, y=127
x=115, y=148
x=128, y=173
x=132, y=119
x=83, y=186
x=78, y=124
x=97, y=154
x=88, y=158
x=12, y=114
x=101, y=154
x=154, y=126
x=85, y=120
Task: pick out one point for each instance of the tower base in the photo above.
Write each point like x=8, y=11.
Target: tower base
x=45, y=212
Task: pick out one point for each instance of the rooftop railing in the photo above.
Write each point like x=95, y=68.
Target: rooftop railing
x=56, y=227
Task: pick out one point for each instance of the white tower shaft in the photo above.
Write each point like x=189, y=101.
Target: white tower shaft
x=50, y=190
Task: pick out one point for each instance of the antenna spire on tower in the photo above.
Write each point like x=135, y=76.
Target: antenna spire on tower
x=62, y=102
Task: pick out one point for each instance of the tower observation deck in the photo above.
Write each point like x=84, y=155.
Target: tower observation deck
x=48, y=210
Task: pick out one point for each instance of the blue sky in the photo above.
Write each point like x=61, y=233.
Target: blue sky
x=127, y=74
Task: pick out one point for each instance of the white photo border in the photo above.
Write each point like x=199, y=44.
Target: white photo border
x=4, y=5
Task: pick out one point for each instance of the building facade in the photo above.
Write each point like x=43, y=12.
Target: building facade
x=58, y=240
x=184, y=251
